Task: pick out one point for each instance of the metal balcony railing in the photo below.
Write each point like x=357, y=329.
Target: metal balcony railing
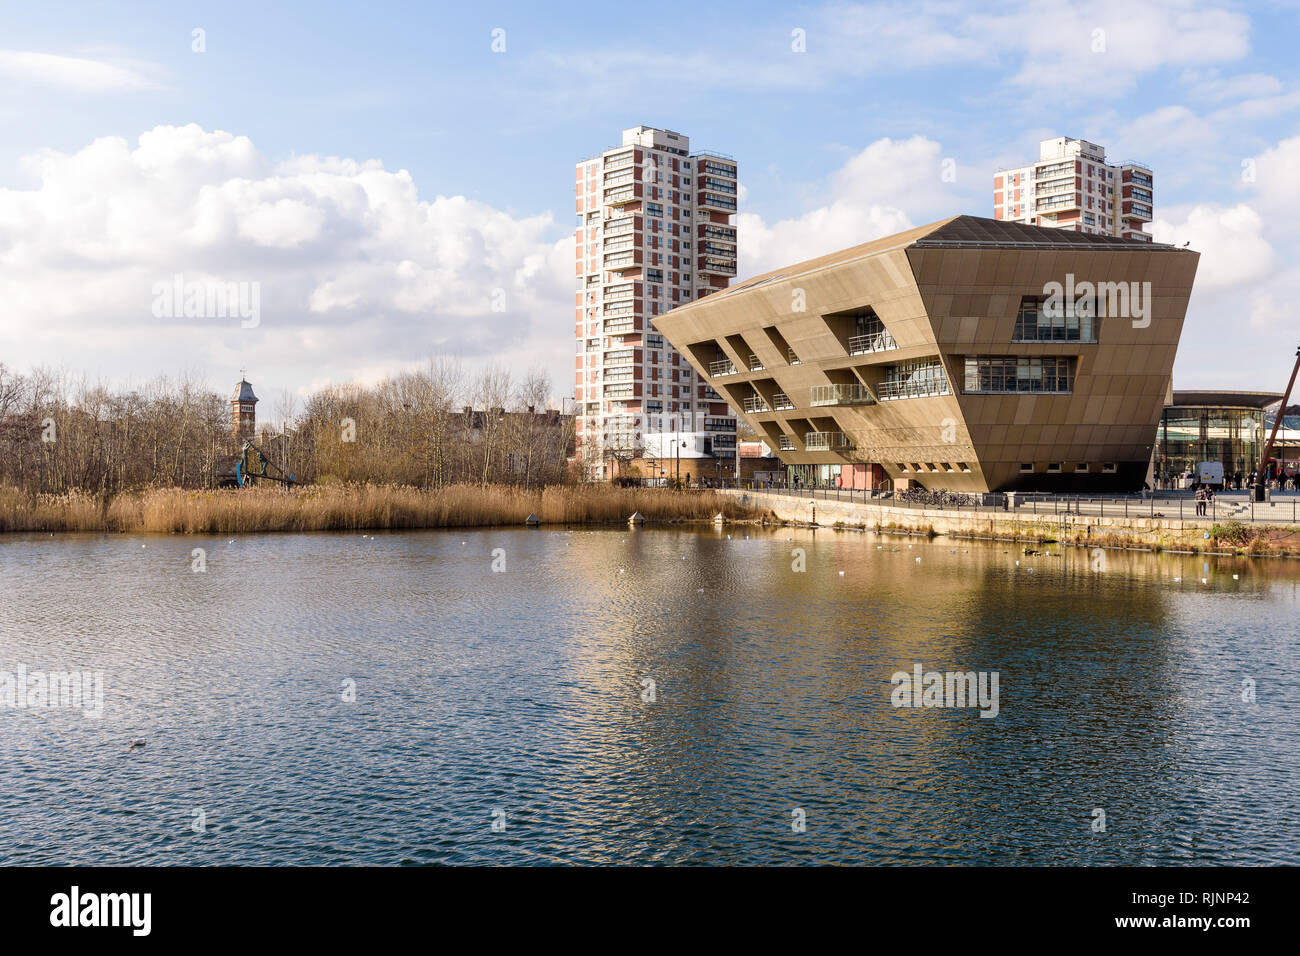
x=826, y=441
x=715, y=201
x=755, y=364
x=820, y=395
x=781, y=401
x=756, y=404
x=791, y=357
x=872, y=342
x=722, y=367
x=709, y=264
x=916, y=385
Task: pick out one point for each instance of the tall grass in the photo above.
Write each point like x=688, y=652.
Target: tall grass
x=74, y=511
x=353, y=507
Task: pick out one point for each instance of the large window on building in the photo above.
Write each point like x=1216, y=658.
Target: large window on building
x=1014, y=374
x=913, y=380
x=1192, y=434
x=1036, y=323
x=1019, y=373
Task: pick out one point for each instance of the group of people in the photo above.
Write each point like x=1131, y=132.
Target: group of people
x=1204, y=495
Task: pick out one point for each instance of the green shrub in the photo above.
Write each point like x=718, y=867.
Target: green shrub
x=1231, y=532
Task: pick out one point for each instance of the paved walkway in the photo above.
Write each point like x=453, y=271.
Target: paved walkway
x=1282, y=508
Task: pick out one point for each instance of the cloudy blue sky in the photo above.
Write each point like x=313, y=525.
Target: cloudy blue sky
x=382, y=172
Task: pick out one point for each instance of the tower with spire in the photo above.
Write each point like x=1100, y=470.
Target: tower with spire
x=243, y=410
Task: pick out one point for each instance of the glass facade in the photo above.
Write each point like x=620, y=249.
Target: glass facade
x=1190, y=434
x=1037, y=323
x=812, y=476
x=1001, y=374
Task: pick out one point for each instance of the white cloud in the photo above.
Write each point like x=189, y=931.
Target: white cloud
x=1028, y=46
x=70, y=72
x=906, y=172
x=1236, y=334
x=1093, y=46
x=889, y=186
x=871, y=37
x=1211, y=85
x=763, y=248
x=1105, y=45
x=1272, y=310
x=355, y=268
x=1230, y=240
x=1172, y=129
x=1277, y=185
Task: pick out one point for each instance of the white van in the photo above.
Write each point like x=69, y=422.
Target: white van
x=1210, y=473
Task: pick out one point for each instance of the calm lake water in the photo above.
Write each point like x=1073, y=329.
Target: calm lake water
x=520, y=693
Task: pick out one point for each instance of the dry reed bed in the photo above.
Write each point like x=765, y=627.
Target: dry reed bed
x=352, y=508
x=74, y=511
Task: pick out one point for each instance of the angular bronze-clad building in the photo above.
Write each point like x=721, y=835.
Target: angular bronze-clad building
x=969, y=355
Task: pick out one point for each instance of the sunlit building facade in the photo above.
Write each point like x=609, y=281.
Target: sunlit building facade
x=654, y=232
x=937, y=358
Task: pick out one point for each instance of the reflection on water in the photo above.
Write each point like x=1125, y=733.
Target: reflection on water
x=521, y=692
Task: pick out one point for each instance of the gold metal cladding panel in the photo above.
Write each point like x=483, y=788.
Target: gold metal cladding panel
x=879, y=432
x=1121, y=381
x=961, y=301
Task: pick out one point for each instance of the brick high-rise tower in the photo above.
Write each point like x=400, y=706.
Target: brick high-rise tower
x=1073, y=187
x=654, y=232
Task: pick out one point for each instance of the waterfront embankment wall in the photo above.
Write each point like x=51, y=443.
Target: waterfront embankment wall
x=1164, y=533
